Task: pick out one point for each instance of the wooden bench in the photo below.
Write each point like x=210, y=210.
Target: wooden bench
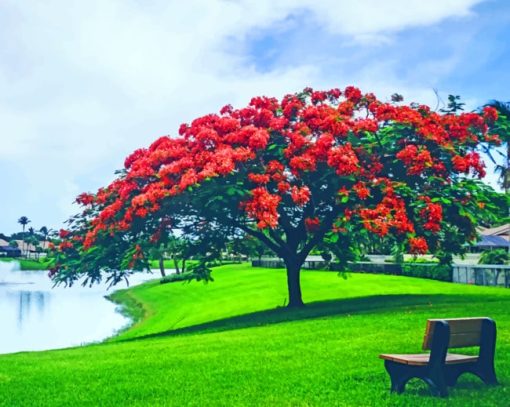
x=439, y=368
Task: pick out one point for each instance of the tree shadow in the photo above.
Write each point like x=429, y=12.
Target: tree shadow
x=315, y=310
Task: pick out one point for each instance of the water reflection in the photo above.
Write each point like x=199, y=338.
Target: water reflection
x=35, y=316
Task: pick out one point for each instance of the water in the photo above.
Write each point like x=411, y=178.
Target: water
x=35, y=316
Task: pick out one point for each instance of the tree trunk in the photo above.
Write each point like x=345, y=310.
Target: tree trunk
x=294, y=283
x=162, y=266
x=176, y=264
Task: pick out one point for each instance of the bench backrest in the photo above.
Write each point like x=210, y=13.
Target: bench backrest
x=464, y=332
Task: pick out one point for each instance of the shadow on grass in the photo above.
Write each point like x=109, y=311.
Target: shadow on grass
x=318, y=310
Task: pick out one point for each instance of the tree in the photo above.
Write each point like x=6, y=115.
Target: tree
x=158, y=253
x=502, y=128
x=44, y=232
x=317, y=168
x=23, y=221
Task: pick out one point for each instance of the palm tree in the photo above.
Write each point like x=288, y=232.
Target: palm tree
x=23, y=221
x=502, y=128
x=45, y=232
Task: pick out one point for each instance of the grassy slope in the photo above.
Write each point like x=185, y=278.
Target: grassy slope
x=323, y=355
x=29, y=264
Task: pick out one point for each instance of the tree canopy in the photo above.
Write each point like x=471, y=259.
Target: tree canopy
x=318, y=168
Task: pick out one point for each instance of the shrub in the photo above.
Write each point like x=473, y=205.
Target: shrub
x=432, y=271
x=498, y=256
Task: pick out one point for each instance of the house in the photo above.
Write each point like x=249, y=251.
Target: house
x=29, y=250
x=493, y=242
x=8, y=251
x=493, y=238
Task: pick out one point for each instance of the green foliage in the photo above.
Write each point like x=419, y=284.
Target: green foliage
x=497, y=256
x=173, y=278
x=198, y=271
x=454, y=105
x=433, y=271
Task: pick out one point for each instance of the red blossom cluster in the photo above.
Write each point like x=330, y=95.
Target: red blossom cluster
x=471, y=162
x=418, y=245
x=312, y=224
x=389, y=215
x=432, y=214
x=280, y=145
x=263, y=206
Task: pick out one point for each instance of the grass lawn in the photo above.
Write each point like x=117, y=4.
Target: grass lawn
x=231, y=343
x=30, y=264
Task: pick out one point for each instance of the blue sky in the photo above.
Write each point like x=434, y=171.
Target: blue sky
x=82, y=84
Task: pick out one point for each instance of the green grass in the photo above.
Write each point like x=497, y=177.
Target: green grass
x=30, y=264
x=231, y=343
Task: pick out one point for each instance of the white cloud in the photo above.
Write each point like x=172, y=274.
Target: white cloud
x=84, y=83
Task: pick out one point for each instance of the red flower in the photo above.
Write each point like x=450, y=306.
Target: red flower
x=490, y=114
x=361, y=190
x=300, y=196
x=63, y=233
x=312, y=224
x=433, y=214
x=258, y=178
x=263, y=207
x=344, y=160
x=418, y=245
x=259, y=139
x=85, y=199
x=353, y=94
x=65, y=245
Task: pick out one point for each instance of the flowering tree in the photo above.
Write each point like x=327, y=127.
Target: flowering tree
x=317, y=168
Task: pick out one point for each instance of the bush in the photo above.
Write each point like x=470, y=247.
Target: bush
x=198, y=271
x=172, y=278
x=433, y=271
x=498, y=256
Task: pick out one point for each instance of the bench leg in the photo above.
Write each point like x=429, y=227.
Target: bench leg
x=452, y=374
x=400, y=374
x=484, y=371
x=437, y=386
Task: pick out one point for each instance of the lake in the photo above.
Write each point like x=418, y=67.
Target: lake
x=35, y=316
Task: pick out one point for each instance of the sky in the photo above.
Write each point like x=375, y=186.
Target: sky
x=83, y=84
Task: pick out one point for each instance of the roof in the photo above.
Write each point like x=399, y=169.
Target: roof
x=4, y=242
x=497, y=231
x=493, y=241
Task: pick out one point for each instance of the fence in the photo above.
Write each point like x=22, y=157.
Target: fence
x=488, y=274
x=361, y=266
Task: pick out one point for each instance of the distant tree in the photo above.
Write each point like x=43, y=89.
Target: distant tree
x=23, y=221
x=158, y=253
x=44, y=232
x=13, y=243
x=496, y=256
x=248, y=246
x=502, y=128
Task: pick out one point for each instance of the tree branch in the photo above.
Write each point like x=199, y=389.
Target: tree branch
x=263, y=238
x=318, y=236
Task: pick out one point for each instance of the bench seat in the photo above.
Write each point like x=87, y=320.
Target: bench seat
x=422, y=359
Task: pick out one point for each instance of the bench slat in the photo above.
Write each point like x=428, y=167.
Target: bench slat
x=463, y=332
x=422, y=359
